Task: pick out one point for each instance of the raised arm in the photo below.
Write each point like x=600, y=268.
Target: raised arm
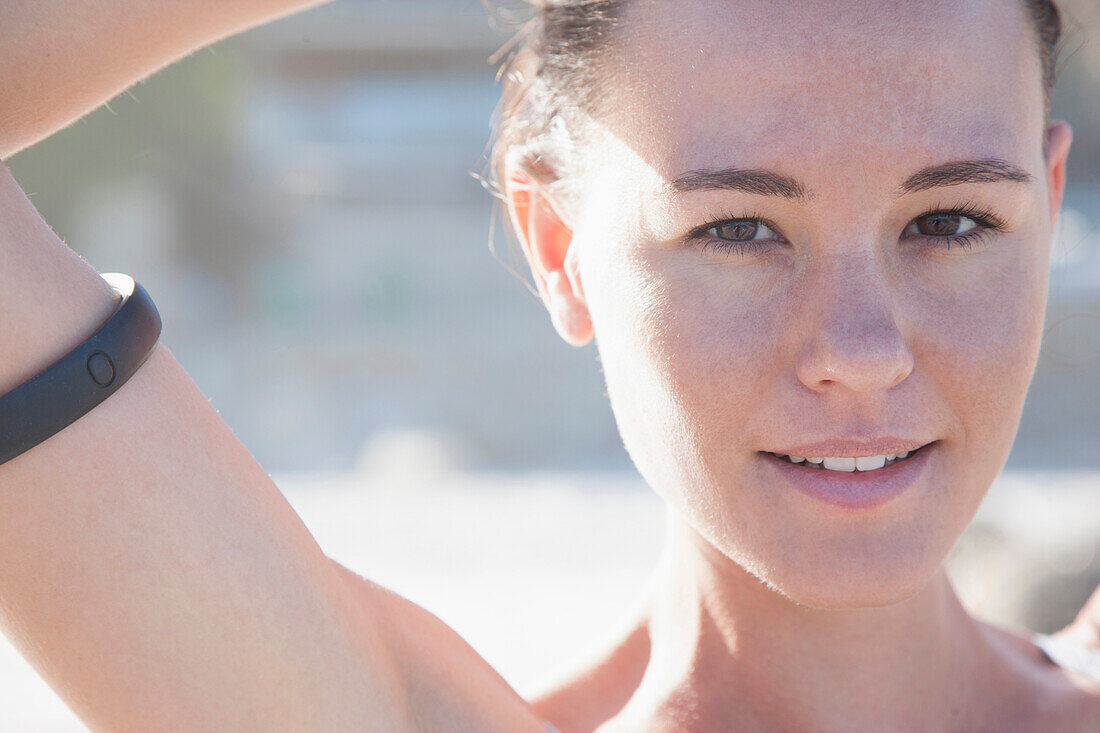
x=149, y=569
x=157, y=579
x=60, y=59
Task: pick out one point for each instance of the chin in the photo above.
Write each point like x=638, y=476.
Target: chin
x=854, y=572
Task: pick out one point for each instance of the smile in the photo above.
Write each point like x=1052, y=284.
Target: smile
x=847, y=464
x=856, y=483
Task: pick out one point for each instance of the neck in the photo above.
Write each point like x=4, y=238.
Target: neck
x=727, y=651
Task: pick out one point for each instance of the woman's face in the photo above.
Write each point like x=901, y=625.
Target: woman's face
x=820, y=228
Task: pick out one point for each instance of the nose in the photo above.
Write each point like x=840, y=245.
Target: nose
x=853, y=340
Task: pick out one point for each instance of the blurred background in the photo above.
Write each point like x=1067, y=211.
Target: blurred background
x=299, y=202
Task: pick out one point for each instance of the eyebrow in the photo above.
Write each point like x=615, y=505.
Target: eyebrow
x=752, y=180
x=958, y=172
x=769, y=183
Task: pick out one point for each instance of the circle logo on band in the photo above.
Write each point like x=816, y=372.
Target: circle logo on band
x=101, y=369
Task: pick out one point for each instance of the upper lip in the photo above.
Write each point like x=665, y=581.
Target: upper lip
x=853, y=448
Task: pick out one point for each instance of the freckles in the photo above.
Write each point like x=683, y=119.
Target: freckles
x=719, y=349
x=1005, y=317
x=714, y=329
x=980, y=342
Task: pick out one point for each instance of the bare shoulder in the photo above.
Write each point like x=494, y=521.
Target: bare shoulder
x=1061, y=698
x=1075, y=692
x=1071, y=702
x=448, y=686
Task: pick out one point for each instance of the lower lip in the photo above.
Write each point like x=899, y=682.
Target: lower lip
x=858, y=489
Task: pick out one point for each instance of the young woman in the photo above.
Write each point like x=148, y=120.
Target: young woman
x=811, y=240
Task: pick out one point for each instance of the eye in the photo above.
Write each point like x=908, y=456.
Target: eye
x=965, y=227
x=730, y=236
x=742, y=230
x=941, y=224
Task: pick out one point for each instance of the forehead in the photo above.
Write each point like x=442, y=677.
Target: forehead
x=825, y=82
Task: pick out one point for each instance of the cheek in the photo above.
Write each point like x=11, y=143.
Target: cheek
x=688, y=351
x=720, y=330
x=978, y=341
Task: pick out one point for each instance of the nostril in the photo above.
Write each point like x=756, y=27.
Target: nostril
x=872, y=360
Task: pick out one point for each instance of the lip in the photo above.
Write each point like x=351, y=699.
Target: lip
x=859, y=490
x=882, y=446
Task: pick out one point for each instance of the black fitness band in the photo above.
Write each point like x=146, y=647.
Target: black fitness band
x=64, y=392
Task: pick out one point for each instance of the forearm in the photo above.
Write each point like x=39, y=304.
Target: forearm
x=149, y=569
x=60, y=59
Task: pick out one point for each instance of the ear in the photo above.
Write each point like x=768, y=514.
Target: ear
x=548, y=244
x=1059, y=139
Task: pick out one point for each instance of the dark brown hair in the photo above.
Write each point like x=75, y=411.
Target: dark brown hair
x=551, y=68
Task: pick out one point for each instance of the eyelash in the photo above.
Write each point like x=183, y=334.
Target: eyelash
x=986, y=220
x=727, y=246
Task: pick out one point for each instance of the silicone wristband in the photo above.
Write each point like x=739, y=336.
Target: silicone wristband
x=66, y=391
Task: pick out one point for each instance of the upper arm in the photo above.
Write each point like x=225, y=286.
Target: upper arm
x=60, y=59
x=157, y=579
x=150, y=570
x=448, y=685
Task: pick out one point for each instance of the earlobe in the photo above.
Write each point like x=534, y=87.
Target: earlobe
x=549, y=247
x=568, y=312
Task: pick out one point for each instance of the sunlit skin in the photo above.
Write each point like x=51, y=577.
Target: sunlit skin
x=886, y=301
x=848, y=328
x=755, y=236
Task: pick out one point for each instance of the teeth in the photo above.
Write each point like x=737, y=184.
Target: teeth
x=840, y=464
x=848, y=465
x=870, y=463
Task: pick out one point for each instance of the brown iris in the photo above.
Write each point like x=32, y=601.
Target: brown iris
x=940, y=225
x=737, y=231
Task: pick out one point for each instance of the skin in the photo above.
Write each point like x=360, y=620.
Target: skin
x=847, y=323
x=155, y=577
x=94, y=50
